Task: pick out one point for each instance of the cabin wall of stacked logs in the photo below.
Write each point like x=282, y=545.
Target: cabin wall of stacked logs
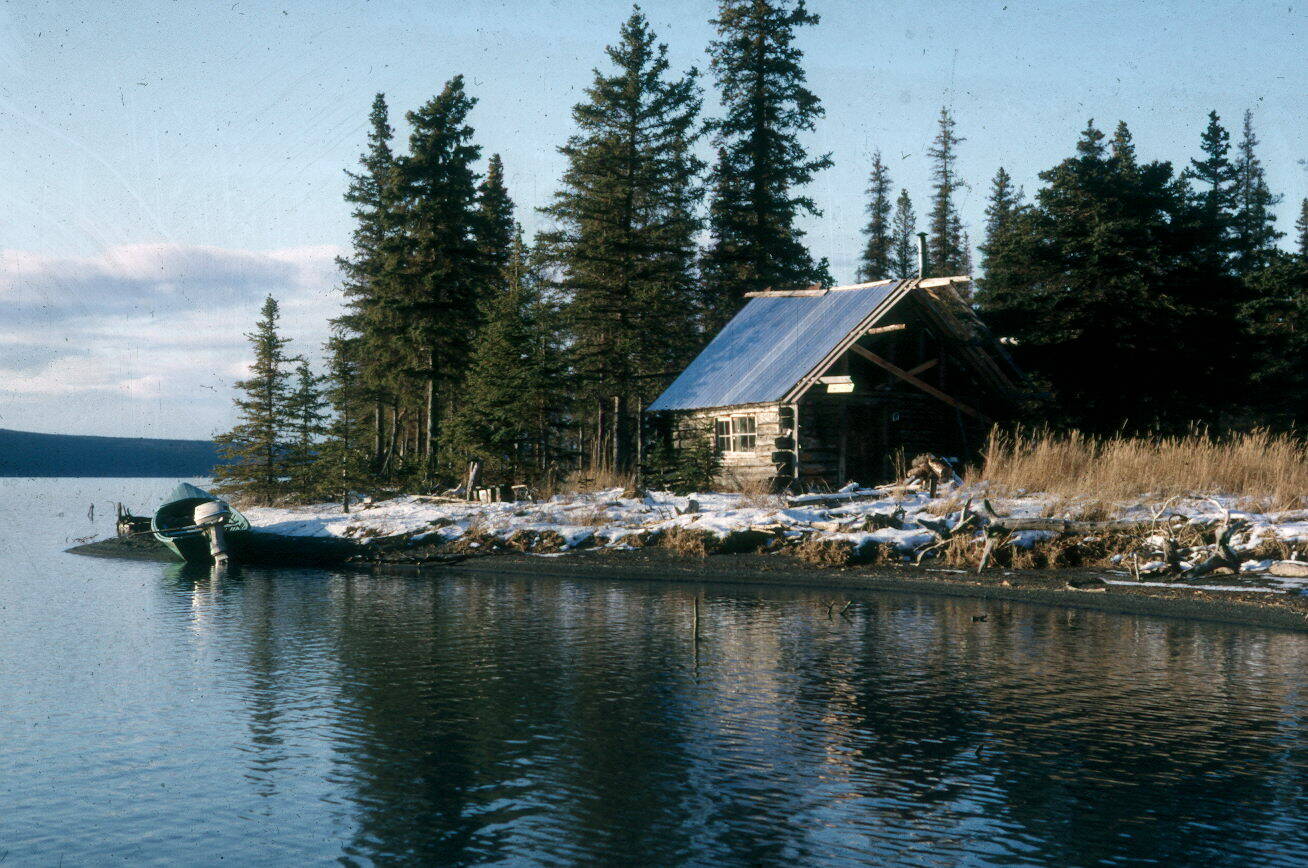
x=905, y=425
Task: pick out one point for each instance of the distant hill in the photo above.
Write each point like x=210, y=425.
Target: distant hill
x=27, y=453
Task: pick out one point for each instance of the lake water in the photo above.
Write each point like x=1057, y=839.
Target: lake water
x=151, y=714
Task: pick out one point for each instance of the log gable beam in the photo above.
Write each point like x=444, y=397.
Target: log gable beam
x=914, y=381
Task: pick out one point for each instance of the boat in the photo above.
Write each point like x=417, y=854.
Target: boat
x=184, y=521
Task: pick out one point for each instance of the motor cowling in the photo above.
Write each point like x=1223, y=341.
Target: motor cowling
x=211, y=512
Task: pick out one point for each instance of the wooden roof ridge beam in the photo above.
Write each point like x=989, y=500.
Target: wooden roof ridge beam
x=880, y=330
x=914, y=381
x=870, y=285
x=944, y=281
x=813, y=291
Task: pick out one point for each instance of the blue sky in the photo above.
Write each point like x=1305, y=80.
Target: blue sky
x=167, y=164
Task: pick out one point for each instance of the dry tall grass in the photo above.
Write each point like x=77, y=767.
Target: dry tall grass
x=1261, y=466
x=589, y=482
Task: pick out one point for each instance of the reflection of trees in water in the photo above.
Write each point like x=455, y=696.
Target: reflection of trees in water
x=488, y=717
x=1099, y=737
x=478, y=719
x=262, y=692
x=1164, y=745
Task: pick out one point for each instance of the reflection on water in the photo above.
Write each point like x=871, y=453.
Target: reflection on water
x=268, y=716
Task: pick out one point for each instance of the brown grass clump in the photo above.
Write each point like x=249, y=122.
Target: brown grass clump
x=475, y=543
x=1271, y=547
x=689, y=542
x=827, y=552
x=945, y=506
x=537, y=541
x=757, y=493
x=589, y=481
x=824, y=552
x=1079, y=509
x=1258, y=464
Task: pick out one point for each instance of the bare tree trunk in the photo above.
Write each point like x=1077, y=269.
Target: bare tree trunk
x=640, y=442
x=620, y=433
x=601, y=433
x=393, y=440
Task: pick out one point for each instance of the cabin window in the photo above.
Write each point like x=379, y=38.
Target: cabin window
x=735, y=434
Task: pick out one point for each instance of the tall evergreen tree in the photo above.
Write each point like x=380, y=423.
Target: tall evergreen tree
x=762, y=164
x=1214, y=173
x=374, y=308
x=1215, y=178
x=625, y=224
x=1255, y=217
x=514, y=379
x=875, y=263
x=496, y=227
x=442, y=270
x=256, y=449
x=945, y=227
x=306, y=417
x=1005, y=203
x=1121, y=148
x=346, y=453
x=903, y=256
x=1004, y=213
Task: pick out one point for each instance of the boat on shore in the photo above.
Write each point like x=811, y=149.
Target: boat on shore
x=186, y=521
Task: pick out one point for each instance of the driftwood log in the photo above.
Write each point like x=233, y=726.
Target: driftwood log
x=930, y=470
x=946, y=529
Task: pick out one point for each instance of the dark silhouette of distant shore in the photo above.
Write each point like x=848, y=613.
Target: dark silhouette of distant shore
x=28, y=453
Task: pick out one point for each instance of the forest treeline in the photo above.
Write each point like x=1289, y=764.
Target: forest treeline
x=1138, y=295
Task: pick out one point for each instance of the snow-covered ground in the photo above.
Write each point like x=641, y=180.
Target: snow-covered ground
x=861, y=517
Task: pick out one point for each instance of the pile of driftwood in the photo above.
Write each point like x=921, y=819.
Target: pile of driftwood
x=1159, y=535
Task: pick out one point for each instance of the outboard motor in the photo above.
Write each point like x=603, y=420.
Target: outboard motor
x=210, y=516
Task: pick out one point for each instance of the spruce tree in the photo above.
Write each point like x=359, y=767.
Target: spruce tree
x=945, y=240
x=305, y=416
x=514, y=380
x=1214, y=179
x=346, y=453
x=624, y=226
x=875, y=263
x=1214, y=174
x=441, y=270
x=374, y=306
x=1004, y=214
x=256, y=449
x=495, y=224
x=1005, y=203
x=762, y=164
x=1255, y=217
x=903, y=255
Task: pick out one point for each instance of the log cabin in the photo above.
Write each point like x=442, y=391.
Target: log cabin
x=818, y=387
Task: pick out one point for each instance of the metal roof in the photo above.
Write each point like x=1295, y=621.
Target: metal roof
x=770, y=346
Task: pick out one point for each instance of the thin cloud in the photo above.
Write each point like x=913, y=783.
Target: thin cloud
x=144, y=322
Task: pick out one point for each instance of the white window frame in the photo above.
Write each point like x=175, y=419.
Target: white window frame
x=730, y=434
